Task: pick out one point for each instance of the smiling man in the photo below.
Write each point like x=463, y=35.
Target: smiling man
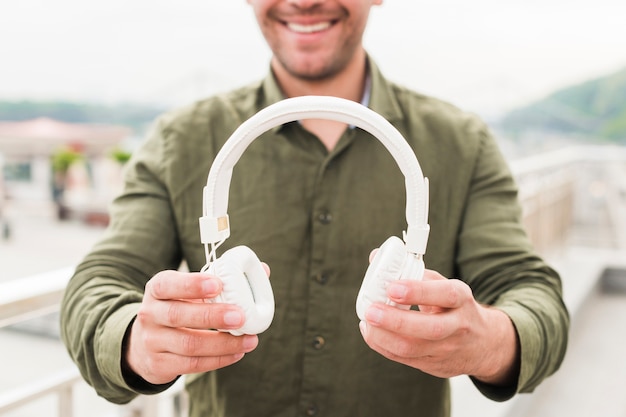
x=313, y=198
x=317, y=50
x=316, y=43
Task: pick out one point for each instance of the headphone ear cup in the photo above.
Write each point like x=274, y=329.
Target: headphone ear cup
x=387, y=266
x=245, y=284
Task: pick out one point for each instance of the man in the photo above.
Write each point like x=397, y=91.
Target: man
x=312, y=198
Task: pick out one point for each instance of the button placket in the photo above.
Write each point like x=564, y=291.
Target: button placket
x=320, y=318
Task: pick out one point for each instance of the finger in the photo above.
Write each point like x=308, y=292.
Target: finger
x=437, y=358
x=172, y=285
x=177, y=313
x=182, y=355
x=391, y=345
x=183, y=365
x=430, y=275
x=427, y=357
x=435, y=292
x=199, y=364
x=409, y=323
x=202, y=343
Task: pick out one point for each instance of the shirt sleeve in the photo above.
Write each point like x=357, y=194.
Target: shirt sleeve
x=496, y=259
x=104, y=295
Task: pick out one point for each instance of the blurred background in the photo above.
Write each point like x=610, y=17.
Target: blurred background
x=80, y=84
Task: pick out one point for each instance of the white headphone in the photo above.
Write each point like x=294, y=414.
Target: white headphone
x=244, y=280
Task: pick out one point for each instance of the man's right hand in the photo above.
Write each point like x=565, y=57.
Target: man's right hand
x=174, y=334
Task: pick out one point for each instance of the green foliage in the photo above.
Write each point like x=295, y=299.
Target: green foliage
x=63, y=158
x=594, y=109
x=120, y=155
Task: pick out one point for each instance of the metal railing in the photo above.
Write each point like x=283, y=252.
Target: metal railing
x=551, y=187
x=27, y=298
x=60, y=384
x=546, y=193
x=564, y=189
x=34, y=297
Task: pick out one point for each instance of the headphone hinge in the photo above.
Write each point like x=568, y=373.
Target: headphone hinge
x=214, y=229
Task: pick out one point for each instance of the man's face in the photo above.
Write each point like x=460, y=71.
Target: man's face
x=313, y=39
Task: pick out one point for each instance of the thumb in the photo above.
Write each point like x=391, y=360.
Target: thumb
x=266, y=267
x=373, y=254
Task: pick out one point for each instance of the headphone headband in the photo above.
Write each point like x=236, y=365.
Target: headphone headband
x=214, y=227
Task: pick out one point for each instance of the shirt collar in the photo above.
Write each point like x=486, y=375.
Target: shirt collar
x=383, y=99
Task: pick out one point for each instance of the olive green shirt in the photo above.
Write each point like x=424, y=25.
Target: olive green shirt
x=314, y=216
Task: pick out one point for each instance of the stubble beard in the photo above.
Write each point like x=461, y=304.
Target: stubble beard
x=312, y=70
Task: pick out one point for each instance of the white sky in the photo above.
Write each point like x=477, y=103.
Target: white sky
x=484, y=55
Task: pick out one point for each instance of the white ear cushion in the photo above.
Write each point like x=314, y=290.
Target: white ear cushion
x=245, y=284
x=386, y=266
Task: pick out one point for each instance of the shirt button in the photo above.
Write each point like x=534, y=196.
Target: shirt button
x=318, y=342
x=311, y=410
x=325, y=218
x=321, y=278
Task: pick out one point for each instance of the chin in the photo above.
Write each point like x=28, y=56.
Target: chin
x=313, y=70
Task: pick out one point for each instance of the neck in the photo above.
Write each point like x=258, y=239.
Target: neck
x=348, y=84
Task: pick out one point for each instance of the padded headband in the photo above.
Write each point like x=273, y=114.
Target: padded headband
x=214, y=226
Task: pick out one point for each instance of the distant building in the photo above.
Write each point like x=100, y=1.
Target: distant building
x=28, y=147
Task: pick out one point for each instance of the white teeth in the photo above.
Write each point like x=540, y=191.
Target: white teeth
x=296, y=27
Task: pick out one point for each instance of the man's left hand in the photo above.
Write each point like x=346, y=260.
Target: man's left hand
x=451, y=334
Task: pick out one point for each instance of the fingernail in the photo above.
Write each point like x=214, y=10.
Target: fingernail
x=209, y=286
x=233, y=318
x=249, y=342
x=397, y=290
x=374, y=314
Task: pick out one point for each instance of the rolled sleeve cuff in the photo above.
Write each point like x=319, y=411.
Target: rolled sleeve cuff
x=110, y=348
x=528, y=338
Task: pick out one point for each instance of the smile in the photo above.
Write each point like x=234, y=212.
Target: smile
x=312, y=28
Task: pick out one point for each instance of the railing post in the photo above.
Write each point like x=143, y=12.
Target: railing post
x=65, y=394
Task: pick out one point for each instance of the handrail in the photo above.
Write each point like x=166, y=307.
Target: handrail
x=30, y=297
x=60, y=383
x=35, y=296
